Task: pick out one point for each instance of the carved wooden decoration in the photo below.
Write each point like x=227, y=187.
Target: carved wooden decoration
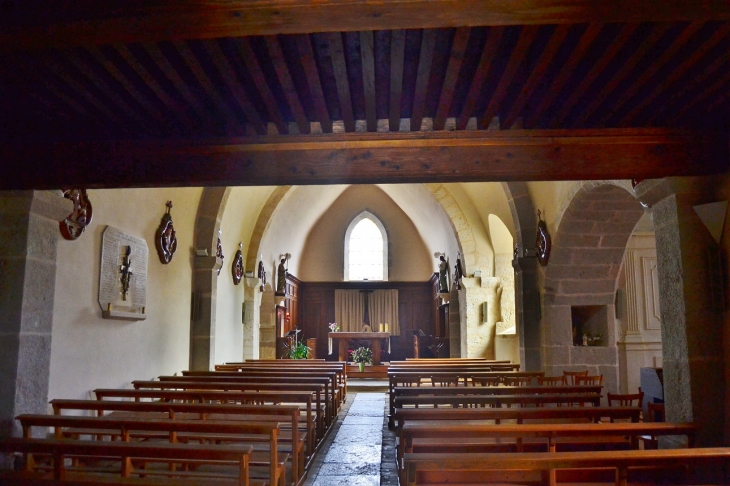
x=543, y=243
x=237, y=267
x=165, y=238
x=75, y=224
x=219, y=251
x=262, y=275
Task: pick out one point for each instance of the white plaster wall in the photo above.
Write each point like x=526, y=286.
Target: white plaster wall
x=91, y=352
x=489, y=199
x=237, y=225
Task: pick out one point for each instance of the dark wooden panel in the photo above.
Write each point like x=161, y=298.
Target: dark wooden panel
x=407, y=157
x=121, y=22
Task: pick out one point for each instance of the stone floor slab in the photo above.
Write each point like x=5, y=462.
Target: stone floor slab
x=354, y=454
x=362, y=420
x=349, y=469
x=347, y=481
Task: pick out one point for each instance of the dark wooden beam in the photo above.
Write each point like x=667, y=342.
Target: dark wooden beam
x=527, y=37
x=678, y=72
x=537, y=74
x=491, y=46
x=428, y=41
x=458, y=49
x=567, y=70
x=617, y=77
x=169, y=102
x=254, y=69
x=404, y=157
x=306, y=54
x=611, y=51
x=226, y=71
x=98, y=23
x=397, y=51
x=337, y=53
x=368, y=78
x=290, y=92
x=700, y=95
x=669, y=54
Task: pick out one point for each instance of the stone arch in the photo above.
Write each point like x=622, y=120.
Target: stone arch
x=262, y=223
x=205, y=277
x=459, y=223
x=587, y=252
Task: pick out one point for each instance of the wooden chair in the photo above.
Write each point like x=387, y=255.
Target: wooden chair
x=588, y=380
x=655, y=413
x=625, y=400
x=517, y=380
x=570, y=376
x=551, y=380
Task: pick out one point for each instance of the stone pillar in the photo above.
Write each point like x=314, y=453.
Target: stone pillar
x=267, y=327
x=29, y=236
x=527, y=306
x=455, y=344
x=251, y=318
x=692, y=333
x=202, y=325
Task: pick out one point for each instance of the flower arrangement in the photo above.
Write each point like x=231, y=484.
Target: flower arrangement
x=334, y=327
x=362, y=355
x=298, y=350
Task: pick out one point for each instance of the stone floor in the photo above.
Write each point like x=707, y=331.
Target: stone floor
x=359, y=449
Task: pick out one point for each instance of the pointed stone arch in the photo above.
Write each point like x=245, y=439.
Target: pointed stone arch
x=459, y=223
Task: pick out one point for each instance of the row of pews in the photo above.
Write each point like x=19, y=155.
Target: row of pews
x=258, y=422
x=454, y=428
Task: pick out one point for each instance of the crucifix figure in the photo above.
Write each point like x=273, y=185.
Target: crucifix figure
x=126, y=270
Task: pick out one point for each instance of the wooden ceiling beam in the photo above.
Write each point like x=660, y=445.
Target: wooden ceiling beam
x=491, y=46
x=537, y=74
x=284, y=76
x=677, y=73
x=404, y=157
x=226, y=71
x=567, y=70
x=367, y=55
x=458, y=50
x=425, y=58
x=254, y=69
x=337, y=53
x=700, y=94
x=620, y=75
x=169, y=102
x=669, y=54
x=397, y=52
x=306, y=54
x=207, y=19
x=598, y=67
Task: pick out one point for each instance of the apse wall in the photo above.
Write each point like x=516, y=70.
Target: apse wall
x=322, y=258
x=90, y=352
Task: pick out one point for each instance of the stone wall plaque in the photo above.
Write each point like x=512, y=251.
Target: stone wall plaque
x=123, y=276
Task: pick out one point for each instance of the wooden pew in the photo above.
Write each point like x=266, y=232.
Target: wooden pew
x=205, y=411
x=125, y=452
x=423, y=469
x=278, y=364
x=175, y=430
x=456, y=401
x=201, y=396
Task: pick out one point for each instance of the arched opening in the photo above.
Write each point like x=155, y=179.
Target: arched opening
x=366, y=249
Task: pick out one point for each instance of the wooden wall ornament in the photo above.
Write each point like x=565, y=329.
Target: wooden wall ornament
x=165, y=238
x=219, y=251
x=75, y=223
x=543, y=243
x=237, y=267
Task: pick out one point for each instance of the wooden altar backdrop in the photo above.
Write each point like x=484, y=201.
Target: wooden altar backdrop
x=343, y=338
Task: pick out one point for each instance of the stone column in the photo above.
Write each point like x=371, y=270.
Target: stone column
x=251, y=318
x=527, y=306
x=29, y=236
x=267, y=324
x=202, y=326
x=692, y=332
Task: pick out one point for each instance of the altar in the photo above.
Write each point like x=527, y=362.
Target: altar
x=373, y=337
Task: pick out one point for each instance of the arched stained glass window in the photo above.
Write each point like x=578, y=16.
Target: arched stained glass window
x=366, y=249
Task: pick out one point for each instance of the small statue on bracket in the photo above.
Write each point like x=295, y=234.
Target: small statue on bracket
x=125, y=269
x=543, y=243
x=281, y=273
x=219, y=251
x=75, y=223
x=237, y=268
x=165, y=238
x=262, y=274
x=458, y=272
x=443, y=273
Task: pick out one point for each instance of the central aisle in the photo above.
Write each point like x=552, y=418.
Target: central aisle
x=354, y=456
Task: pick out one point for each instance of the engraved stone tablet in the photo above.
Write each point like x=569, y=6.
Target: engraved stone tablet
x=123, y=275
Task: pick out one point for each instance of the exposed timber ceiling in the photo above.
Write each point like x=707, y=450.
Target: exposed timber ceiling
x=127, y=94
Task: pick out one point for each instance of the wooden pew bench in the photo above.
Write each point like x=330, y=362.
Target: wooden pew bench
x=293, y=431
x=496, y=401
x=305, y=400
x=235, y=457
x=144, y=428
x=535, y=467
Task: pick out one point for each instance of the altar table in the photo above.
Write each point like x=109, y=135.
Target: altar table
x=373, y=337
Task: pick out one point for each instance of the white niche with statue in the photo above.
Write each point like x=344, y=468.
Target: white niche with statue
x=123, y=276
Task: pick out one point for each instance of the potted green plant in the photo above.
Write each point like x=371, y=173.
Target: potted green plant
x=361, y=356
x=298, y=350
